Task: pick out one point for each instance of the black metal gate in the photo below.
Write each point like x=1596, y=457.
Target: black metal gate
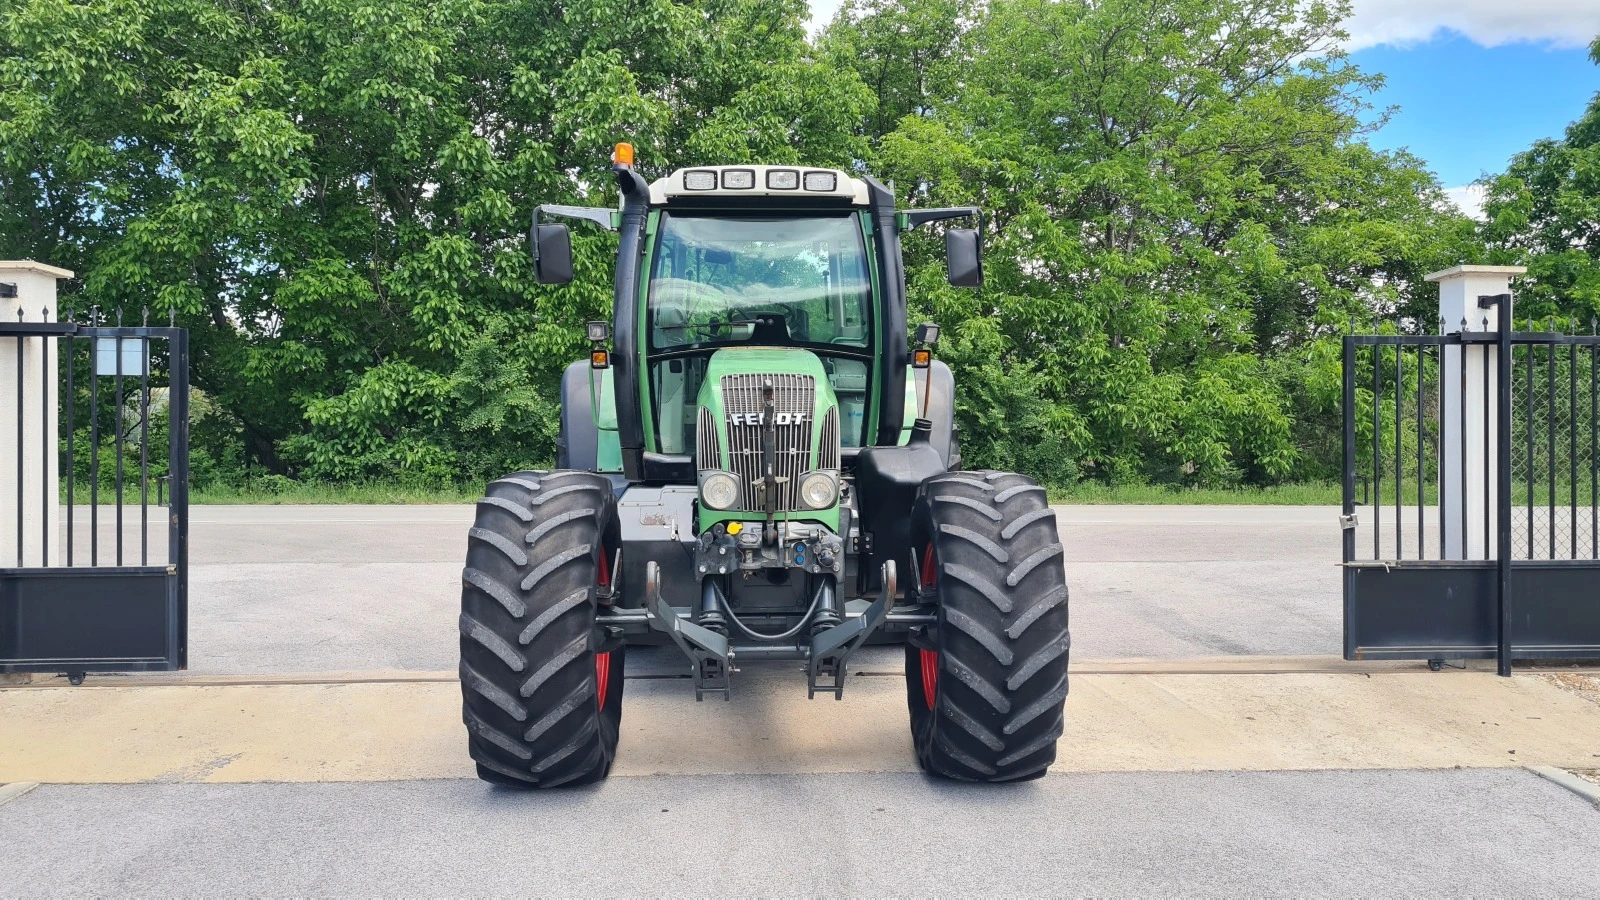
x=1481, y=539
x=101, y=456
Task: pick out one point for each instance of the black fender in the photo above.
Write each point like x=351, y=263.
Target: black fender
x=940, y=386
x=578, y=443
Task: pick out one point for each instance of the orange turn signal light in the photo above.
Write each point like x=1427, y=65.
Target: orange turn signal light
x=599, y=359
x=921, y=359
x=623, y=154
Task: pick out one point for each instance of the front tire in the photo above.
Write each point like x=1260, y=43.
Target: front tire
x=541, y=683
x=987, y=684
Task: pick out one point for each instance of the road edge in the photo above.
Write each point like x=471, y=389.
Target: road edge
x=10, y=792
x=1584, y=788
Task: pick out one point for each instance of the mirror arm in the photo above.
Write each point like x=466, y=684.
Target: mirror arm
x=605, y=218
x=916, y=217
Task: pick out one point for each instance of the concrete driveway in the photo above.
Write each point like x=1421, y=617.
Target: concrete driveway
x=252, y=774
x=1497, y=832
x=350, y=588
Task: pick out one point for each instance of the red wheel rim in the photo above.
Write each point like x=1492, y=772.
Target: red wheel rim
x=930, y=676
x=602, y=661
x=602, y=676
x=929, y=658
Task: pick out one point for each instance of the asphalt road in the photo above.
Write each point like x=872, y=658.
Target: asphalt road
x=1470, y=832
x=345, y=588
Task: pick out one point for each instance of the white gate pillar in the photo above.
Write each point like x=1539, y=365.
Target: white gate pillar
x=1469, y=419
x=34, y=489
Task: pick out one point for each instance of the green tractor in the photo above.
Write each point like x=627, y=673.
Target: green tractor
x=756, y=463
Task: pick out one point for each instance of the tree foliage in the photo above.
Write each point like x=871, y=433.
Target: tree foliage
x=1181, y=212
x=333, y=193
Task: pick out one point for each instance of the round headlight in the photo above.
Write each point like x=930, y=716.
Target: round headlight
x=719, y=490
x=818, y=490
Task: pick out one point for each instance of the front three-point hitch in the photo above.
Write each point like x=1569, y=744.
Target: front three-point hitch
x=824, y=637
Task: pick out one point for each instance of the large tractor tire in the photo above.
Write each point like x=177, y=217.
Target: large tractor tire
x=987, y=684
x=541, y=683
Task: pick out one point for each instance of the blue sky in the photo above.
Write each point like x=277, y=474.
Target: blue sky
x=1466, y=108
x=1476, y=81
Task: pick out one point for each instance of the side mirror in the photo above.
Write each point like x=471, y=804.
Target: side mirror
x=552, y=254
x=963, y=260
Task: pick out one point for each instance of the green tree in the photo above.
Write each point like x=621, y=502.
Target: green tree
x=906, y=53
x=1544, y=213
x=332, y=194
x=1183, y=214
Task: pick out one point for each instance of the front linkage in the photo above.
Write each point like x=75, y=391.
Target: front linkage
x=832, y=638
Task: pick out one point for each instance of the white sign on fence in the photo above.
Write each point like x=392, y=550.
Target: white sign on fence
x=133, y=356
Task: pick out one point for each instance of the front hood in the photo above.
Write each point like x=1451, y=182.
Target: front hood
x=731, y=409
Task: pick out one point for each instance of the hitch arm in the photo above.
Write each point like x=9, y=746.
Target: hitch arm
x=707, y=650
x=832, y=648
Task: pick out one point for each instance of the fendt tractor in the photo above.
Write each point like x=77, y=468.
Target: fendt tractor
x=758, y=462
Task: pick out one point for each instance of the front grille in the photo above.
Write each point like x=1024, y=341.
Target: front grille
x=794, y=395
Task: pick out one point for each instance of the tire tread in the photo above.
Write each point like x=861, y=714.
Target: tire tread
x=1000, y=633
x=528, y=631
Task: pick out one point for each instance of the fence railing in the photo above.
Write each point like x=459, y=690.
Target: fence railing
x=100, y=581
x=1482, y=452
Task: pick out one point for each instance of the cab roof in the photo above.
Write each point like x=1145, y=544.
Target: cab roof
x=758, y=181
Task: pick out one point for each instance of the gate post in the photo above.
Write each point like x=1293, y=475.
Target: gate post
x=29, y=418
x=1469, y=420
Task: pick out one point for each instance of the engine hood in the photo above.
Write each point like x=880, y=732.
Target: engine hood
x=731, y=418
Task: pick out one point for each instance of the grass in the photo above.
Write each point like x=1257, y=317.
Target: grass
x=290, y=493
x=1307, y=494
x=1316, y=493
x=283, y=492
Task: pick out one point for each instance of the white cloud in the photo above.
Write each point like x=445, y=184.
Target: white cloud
x=1563, y=23
x=1468, y=199
x=822, y=13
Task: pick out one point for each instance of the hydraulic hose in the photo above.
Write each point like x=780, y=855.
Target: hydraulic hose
x=760, y=636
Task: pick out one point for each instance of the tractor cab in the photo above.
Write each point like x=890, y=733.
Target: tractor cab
x=736, y=280
x=747, y=257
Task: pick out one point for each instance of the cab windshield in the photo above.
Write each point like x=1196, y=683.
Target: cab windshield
x=729, y=281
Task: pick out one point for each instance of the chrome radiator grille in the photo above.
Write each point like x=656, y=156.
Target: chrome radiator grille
x=828, y=453
x=794, y=401
x=708, y=445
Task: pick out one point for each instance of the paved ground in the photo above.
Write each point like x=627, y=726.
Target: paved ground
x=330, y=588
x=1494, y=832
x=1129, y=809
x=395, y=730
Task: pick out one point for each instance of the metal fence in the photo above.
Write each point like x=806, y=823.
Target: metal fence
x=1555, y=396
x=1482, y=535
x=101, y=543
